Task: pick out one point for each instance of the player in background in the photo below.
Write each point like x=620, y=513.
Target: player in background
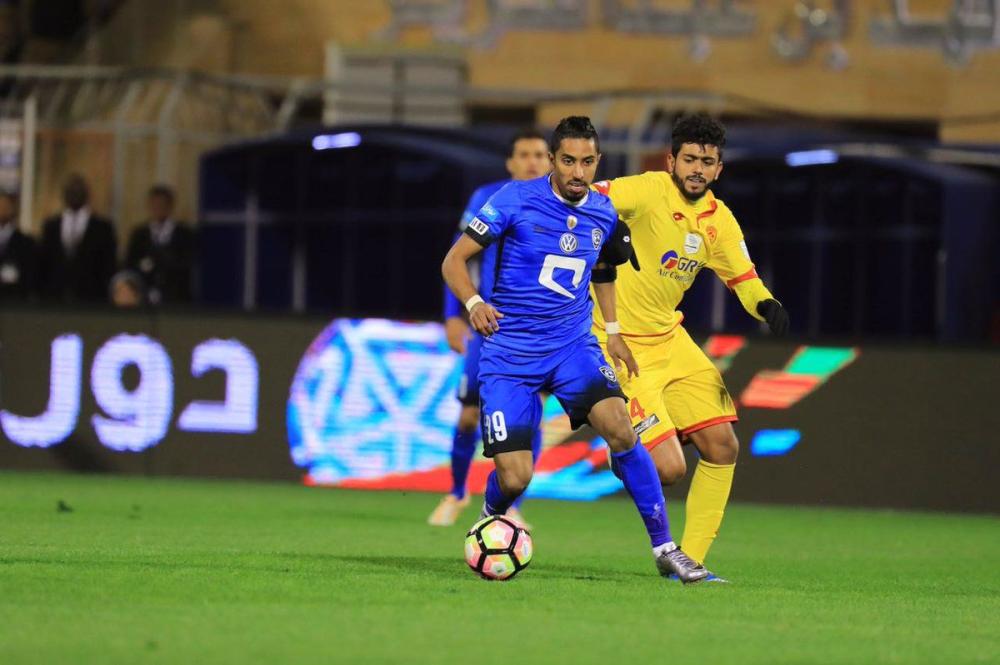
x=678, y=228
x=528, y=158
x=551, y=232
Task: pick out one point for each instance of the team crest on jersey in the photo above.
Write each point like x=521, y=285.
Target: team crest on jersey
x=598, y=237
x=571, y=222
x=567, y=243
x=713, y=233
x=692, y=243
x=609, y=373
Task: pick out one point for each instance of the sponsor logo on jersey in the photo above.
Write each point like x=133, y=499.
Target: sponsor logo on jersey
x=609, y=373
x=489, y=212
x=479, y=226
x=567, y=243
x=644, y=425
x=692, y=243
x=571, y=222
x=679, y=267
x=598, y=237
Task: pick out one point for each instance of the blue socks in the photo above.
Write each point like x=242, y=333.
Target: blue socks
x=638, y=473
x=497, y=502
x=463, y=448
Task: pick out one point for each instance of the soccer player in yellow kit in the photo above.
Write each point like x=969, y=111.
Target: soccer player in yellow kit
x=678, y=228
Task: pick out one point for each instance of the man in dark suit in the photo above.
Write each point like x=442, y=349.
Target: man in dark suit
x=18, y=254
x=163, y=251
x=79, y=250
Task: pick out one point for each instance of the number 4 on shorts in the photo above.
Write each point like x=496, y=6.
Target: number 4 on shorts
x=635, y=410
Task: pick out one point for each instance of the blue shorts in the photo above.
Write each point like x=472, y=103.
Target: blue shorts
x=468, y=384
x=509, y=383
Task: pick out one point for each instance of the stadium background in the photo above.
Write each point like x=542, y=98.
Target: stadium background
x=324, y=151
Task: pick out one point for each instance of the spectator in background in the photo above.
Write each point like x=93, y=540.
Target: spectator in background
x=163, y=251
x=18, y=254
x=79, y=249
x=127, y=289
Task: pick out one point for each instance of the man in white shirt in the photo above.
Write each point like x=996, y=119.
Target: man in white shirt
x=163, y=251
x=18, y=254
x=79, y=249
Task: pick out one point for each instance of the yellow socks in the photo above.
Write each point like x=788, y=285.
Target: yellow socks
x=706, y=502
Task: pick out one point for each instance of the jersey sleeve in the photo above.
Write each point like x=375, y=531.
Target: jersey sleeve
x=495, y=217
x=730, y=260
x=630, y=195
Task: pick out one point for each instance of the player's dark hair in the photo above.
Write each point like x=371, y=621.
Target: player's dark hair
x=574, y=127
x=526, y=133
x=700, y=129
x=162, y=191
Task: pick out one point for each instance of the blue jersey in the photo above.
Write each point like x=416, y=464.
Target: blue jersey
x=546, y=248
x=483, y=270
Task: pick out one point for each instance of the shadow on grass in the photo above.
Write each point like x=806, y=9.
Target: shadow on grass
x=298, y=562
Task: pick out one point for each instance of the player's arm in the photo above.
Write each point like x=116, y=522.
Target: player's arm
x=618, y=350
x=616, y=250
x=489, y=224
x=483, y=316
x=455, y=328
x=730, y=260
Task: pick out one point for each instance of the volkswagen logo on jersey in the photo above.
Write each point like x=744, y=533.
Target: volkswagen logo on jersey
x=567, y=243
x=598, y=237
x=669, y=260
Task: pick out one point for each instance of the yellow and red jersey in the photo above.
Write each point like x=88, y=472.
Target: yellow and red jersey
x=674, y=240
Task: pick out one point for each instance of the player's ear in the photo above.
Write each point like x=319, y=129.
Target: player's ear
x=718, y=174
x=510, y=165
x=668, y=161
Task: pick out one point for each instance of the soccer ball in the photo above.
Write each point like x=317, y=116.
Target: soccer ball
x=497, y=548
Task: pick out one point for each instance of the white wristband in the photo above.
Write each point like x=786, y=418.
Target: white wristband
x=612, y=327
x=472, y=302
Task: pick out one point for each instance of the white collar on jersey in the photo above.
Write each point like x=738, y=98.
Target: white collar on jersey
x=574, y=204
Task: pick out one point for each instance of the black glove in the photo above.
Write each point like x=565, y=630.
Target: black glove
x=775, y=315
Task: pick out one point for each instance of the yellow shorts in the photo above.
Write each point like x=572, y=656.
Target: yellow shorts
x=678, y=390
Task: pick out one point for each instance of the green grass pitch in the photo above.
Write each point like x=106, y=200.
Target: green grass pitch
x=176, y=571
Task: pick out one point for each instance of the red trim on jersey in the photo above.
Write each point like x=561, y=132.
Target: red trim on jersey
x=749, y=274
x=660, y=439
x=603, y=187
x=708, y=423
x=713, y=206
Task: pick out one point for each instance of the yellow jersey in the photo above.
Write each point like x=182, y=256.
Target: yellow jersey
x=674, y=239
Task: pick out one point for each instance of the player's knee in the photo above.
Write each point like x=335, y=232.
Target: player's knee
x=621, y=437
x=515, y=479
x=722, y=448
x=672, y=472
x=468, y=419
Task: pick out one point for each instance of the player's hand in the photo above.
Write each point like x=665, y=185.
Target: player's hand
x=485, y=318
x=457, y=331
x=775, y=315
x=620, y=353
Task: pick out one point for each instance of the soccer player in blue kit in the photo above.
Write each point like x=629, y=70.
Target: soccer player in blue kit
x=528, y=158
x=552, y=232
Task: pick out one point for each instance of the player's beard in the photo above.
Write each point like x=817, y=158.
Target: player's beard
x=688, y=195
